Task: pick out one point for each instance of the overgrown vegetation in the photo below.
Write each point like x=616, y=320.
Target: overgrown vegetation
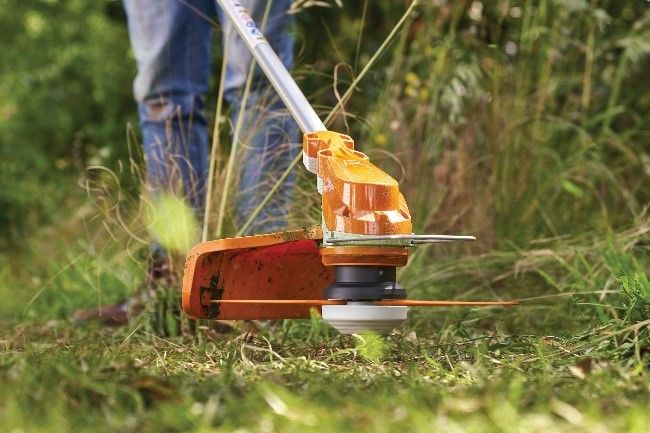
x=524, y=122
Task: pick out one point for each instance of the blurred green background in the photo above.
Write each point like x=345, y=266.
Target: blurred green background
x=515, y=119
x=524, y=122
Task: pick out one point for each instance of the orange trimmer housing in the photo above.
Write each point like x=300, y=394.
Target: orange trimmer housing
x=284, y=265
x=357, y=198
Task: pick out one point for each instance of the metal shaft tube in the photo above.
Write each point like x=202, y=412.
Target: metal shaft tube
x=272, y=66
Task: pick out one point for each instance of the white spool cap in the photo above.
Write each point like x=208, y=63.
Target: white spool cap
x=357, y=317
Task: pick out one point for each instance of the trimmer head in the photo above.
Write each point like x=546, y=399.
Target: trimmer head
x=346, y=268
x=284, y=275
x=359, y=285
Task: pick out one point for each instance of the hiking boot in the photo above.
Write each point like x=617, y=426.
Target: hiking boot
x=158, y=299
x=110, y=315
x=159, y=274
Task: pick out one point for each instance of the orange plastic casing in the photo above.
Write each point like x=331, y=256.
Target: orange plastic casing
x=357, y=196
x=284, y=265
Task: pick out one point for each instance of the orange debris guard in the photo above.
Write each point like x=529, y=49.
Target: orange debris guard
x=285, y=265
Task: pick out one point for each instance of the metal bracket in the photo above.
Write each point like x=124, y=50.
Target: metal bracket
x=331, y=238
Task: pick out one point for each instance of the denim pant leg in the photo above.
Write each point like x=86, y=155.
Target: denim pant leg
x=269, y=135
x=171, y=43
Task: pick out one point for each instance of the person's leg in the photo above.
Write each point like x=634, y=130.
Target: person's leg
x=171, y=43
x=269, y=134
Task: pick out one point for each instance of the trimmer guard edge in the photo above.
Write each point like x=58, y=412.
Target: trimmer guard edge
x=283, y=265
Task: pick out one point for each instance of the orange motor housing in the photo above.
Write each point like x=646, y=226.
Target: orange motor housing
x=358, y=197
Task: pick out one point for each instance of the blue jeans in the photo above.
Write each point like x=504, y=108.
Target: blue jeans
x=171, y=41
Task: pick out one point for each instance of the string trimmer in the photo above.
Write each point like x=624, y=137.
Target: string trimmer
x=346, y=268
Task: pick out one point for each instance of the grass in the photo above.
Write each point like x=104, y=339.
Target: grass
x=572, y=358
x=294, y=377
x=522, y=122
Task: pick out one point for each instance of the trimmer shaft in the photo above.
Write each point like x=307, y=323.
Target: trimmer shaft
x=364, y=283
